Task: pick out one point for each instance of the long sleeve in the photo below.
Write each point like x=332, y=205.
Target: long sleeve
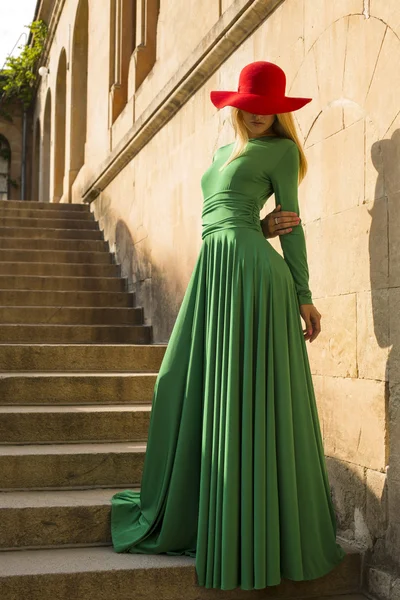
x=284, y=180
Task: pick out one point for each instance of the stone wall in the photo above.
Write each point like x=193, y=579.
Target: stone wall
x=143, y=172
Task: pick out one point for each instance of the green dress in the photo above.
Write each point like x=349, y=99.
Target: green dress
x=234, y=472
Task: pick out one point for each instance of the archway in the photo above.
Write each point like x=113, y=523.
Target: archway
x=45, y=162
x=60, y=113
x=36, y=163
x=79, y=91
x=5, y=159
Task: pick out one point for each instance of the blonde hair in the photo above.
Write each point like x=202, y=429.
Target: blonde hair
x=283, y=126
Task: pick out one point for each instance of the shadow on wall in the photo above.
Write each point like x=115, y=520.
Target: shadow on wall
x=385, y=300
x=154, y=289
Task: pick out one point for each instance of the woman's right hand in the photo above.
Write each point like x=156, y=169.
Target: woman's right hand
x=286, y=221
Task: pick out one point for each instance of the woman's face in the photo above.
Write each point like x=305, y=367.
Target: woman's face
x=257, y=125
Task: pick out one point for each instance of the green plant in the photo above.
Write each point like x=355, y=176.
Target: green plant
x=18, y=78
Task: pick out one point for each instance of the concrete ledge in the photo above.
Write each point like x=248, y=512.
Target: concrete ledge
x=16, y=269
x=74, y=424
x=76, y=334
x=48, y=223
x=63, y=283
x=55, y=519
x=55, y=256
x=53, y=244
x=31, y=205
x=64, y=298
x=70, y=316
x=26, y=212
x=82, y=357
x=76, y=388
x=43, y=233
x=103, y=574
x=71, y=466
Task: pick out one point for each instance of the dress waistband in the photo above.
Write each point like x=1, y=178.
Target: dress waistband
x=230, y=223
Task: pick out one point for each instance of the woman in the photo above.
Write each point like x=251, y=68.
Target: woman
x=234, y=471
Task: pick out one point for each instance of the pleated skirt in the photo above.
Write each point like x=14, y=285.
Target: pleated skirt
x=234, y=472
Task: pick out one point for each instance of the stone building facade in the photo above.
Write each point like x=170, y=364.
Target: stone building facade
x=11, y=155
x=123, y=120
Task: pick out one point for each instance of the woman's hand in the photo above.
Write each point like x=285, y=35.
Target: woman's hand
x=286, y=221
x=312, y=320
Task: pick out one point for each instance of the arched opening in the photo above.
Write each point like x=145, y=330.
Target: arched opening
x=5, y=160
x=60, y=113
x=36, y=162
x=45, y=162
x=79, y=91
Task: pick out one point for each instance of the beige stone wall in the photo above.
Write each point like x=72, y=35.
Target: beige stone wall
x=144, y=171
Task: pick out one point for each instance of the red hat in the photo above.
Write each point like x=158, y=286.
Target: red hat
x=261, y=91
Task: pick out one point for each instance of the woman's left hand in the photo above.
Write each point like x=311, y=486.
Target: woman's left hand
x=312, y=320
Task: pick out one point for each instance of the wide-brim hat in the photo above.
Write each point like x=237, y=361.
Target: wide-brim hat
x=261, y=91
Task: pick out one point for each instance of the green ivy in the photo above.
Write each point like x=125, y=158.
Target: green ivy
x=18, y=78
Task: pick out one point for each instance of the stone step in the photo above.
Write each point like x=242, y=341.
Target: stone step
x=65, y=298
x=24, y=212
x=31, y=204
x=42, y=233
x=53, y=223
x=71, y=466
x=74, y=424
x=70, y=316
x=56, y=256
x=54, y=244
x=43, y=283
x=53, y=388
x=59, y=270
x=103, y=574
x=81, y=357
x=75, y=334
x=55, y=518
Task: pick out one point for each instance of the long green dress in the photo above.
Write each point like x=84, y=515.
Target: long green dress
x=234, y=472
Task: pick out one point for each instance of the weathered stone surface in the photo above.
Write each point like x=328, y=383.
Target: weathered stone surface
x=383, y=108
x=82, y=357
x=355, y=259
x=76, y=388
x=345, y=149
x=70, y=424
x=73, y=466
x=373, y=334
x=377, y=502
x=379, y=583
x=347, y=482
x=333, y=353
x=352, y=414
x=98, y=572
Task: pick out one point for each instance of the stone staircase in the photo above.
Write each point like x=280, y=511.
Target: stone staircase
x=77, y=371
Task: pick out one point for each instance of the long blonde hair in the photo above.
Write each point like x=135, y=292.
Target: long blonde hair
x=283, y=126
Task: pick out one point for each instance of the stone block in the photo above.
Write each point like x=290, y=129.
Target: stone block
x=347, y=481
x=394, y=244
x=373, y=334
x=338, y=166
x=379, y=583
x=374, y=172
x=353, y=419
x=319, y=16
x=334, y=352
x=377, y=502
x=328, y=122
x=346, y=253
x=383, y=107
x=364, y=39
x=330, y=52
